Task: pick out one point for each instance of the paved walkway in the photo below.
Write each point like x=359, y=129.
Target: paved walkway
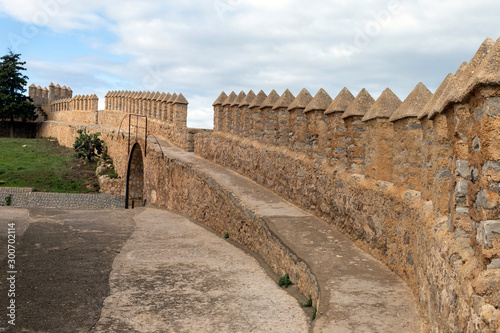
x=175, y=276
x=358, y=293
x=141, y=270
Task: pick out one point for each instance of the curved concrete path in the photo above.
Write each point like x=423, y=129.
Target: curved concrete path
x=175, y=276
x=358, y=293
x=141, y=270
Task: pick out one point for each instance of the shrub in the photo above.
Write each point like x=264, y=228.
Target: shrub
x=88, y=146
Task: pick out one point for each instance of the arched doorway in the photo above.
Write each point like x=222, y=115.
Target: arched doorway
x=134, y=192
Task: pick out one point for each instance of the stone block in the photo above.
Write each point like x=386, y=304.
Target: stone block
x=413, y=126
x=476, y=144
x=487, y=285
x=495, y=264
x=462, y=168
x=461, y=190
x=443, y=174
x=383, y=185
x=494, y=187
x=491, y=107
x=409, y=258
x=487, y=199
x=491, y=165
x=487, y=231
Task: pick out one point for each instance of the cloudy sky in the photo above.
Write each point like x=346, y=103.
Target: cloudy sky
x=203, y=47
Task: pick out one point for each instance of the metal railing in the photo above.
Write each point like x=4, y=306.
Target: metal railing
x=135, y=127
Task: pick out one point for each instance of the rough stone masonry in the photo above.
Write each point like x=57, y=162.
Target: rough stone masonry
x=416, y=183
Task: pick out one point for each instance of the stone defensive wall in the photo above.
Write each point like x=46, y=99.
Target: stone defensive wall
x=166, y=113
x=415, y=183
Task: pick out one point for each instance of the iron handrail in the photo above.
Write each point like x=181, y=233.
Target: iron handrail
x=158, y=143
x=136, y=127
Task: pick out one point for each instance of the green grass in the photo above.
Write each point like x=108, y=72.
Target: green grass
x=45, y=166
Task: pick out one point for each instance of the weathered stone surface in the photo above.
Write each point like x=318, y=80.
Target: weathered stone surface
x=491, y=165
x=495, y=264
x=462, y=169
x=413, y=104
x=424, y=113
x=487, y=199
x=491, y=107
x=384, y=106
x=443, y=174
x=476, y=144
x=494, y=187
x=487, y=284
x=487, y=231
x=461, y=190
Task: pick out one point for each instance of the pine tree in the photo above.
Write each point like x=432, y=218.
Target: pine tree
x=14, y=104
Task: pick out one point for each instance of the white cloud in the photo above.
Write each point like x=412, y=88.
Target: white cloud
x=201, y=47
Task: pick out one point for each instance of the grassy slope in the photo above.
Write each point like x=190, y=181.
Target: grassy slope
x=45, y=166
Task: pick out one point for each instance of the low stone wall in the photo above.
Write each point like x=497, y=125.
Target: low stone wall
x=65, y=133
x=111, y=186
x=25, y=197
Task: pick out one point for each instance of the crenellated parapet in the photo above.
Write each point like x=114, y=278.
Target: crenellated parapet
x=77, y=103
x=415, y=181
x=43, y=96
x=170, y=108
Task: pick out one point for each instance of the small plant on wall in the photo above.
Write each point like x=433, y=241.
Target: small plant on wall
x=285, y=281
x=88, y=146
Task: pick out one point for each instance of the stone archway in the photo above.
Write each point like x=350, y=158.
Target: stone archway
x=135, y=178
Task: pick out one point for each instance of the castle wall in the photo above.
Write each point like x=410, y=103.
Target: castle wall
x=269, y=119
x=283, y=120
x=422, y=196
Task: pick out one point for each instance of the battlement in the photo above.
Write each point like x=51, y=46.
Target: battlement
x=385, y=139
x=46, y=96
x=415, y=181
x=77, y=103
x=167, y=107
